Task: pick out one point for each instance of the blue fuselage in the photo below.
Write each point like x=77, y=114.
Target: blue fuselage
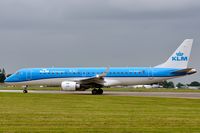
x=53, y=73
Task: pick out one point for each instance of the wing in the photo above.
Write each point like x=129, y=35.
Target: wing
x=98, y=79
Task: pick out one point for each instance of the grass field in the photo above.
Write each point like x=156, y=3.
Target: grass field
x=89, y=113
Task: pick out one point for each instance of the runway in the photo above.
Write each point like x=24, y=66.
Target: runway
x=193, y=95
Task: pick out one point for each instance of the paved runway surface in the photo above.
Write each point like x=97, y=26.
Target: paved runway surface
x=194, y=95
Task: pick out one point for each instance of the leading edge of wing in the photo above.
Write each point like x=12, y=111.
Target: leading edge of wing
x=98, y=79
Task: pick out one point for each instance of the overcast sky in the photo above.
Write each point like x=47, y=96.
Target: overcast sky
x=93, y=33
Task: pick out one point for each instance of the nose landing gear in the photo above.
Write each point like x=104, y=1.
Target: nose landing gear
x=25, y=89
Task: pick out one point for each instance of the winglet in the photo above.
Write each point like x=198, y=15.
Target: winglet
x=104, y=73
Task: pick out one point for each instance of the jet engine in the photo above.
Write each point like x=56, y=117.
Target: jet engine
x=70, y=86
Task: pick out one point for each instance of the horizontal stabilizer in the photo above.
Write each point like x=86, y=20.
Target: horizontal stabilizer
x=185, y=71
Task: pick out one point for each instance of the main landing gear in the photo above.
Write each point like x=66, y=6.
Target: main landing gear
x=97, y=91
x=25, y=89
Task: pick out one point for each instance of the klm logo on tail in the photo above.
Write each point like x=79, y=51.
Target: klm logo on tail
x=179, y=57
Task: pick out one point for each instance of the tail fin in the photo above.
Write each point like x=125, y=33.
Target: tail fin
x=180, y=58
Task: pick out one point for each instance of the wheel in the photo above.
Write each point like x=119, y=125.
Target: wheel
x=94, y=92
x=25, y=91
x=100, y=91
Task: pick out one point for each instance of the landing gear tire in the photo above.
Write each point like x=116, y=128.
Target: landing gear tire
x=94, y=92
x=25, y=91
x=100, y=91
x=97, y=92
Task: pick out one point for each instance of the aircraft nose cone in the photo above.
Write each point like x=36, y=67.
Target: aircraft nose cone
x=6, y=80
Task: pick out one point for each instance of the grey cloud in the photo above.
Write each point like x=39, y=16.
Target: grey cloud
x=61, y=10
x=154, y=5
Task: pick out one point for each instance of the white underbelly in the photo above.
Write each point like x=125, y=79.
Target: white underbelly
x=134, y=80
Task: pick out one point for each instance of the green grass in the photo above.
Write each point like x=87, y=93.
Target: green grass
x=88, y=113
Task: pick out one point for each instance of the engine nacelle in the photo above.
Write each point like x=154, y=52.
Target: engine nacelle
x=70, y=86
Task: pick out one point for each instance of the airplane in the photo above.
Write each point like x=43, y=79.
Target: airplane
x=80, y=79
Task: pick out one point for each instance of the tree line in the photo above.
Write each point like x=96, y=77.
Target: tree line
x=2, y=75
x=170, y=84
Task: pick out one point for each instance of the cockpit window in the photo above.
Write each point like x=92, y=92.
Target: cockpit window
x=17, y=73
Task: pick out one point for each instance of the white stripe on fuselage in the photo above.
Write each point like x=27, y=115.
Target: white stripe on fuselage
x=108, y=81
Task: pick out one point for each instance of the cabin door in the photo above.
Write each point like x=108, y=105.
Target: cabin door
x=28, y=75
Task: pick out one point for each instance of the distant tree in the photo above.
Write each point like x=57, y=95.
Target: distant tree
x=194, y=83
x=180, y=85
x=2, y=75
x=165, y=84
x=169, y=84
x=3, y=71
